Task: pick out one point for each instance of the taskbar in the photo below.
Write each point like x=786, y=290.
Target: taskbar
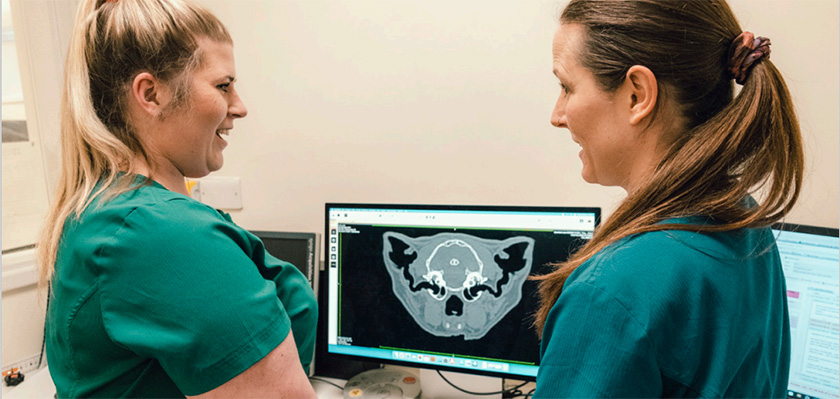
x=423, y=359
x=799, y=395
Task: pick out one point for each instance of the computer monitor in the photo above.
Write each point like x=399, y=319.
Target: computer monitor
x=811, y=262
x=443, y=287
x=299, y=249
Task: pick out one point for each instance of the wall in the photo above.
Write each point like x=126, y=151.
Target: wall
x=42, y=32
x=23, y=312
x=441, y=102
x=802, y=33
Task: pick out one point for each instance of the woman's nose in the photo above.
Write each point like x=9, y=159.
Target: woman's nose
x=558, y=115
x=237, y=108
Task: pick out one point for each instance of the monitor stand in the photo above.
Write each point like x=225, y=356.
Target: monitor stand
x=434, y=387
x=399, y=382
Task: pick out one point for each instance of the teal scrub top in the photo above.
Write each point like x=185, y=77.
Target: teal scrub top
x=158, y=295
x=671, y=314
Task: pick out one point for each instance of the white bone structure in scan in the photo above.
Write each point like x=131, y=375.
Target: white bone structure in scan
x=455, y=283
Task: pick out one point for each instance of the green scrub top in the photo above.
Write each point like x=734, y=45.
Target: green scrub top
x=158, y=295
x=671, y=314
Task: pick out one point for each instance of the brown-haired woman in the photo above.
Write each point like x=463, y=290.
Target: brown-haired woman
x=153, y=293
x=680, y=293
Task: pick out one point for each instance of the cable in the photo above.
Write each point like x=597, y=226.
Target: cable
x=515, y=393
x=527, y=395
x=480, y=393
x=44, y=340
x=327, y=382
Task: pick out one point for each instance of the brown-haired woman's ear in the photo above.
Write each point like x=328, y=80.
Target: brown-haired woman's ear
x=641, y=87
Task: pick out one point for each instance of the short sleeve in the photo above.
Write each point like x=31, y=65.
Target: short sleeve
x=593, y=348
x=177, y=287
x=299, y=302
x=295, y=294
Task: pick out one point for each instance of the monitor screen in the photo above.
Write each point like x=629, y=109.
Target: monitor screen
x=443, y=287
x=299, y=249
x=811, y=261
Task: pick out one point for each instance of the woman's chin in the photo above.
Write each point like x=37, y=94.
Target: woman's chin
x=588, y=176
x=216, y=164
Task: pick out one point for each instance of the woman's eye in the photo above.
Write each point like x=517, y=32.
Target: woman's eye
x=563, y=87
x=224, y=87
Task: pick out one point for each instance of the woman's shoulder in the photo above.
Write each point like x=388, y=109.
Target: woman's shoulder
x=151, y=221
x=670, y=257
x=150, y=200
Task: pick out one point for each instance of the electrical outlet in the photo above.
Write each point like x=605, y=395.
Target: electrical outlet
x=26, y=365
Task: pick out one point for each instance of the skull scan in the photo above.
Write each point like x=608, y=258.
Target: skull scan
x=457, y=284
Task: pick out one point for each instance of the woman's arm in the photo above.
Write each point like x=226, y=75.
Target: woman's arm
x=278, y=375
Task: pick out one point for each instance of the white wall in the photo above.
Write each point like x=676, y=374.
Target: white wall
x=448, y=102
x=42, y=32
x=804, y=34
x=396, y=101
x=23, y=325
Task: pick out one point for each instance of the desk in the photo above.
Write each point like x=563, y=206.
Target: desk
x=324, y=390
x=434, y=387
x=39, y=385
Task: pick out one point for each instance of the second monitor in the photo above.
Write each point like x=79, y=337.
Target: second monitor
x=299, y=249
x=443, y=287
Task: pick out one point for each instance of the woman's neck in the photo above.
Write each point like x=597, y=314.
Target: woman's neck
x=171, y=180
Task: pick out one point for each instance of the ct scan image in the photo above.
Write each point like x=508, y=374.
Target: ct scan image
x=457, y=283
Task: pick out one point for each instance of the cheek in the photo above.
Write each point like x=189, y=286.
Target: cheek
x=211, y=109
x=588, y=120
x=219, y=110
x=578, y=118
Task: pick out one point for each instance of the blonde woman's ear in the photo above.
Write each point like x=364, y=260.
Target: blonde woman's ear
x=149, y=94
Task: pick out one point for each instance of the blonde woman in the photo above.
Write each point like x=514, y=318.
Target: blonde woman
x=680, y=293
x=155, y=294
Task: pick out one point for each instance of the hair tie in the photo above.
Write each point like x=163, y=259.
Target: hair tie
x=744, y=52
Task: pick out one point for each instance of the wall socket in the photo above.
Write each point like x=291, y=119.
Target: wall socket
x=25, y=366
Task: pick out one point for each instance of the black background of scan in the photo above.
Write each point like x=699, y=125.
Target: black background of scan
x=374, y=317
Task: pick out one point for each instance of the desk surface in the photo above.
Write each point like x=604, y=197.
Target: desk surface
x=433, y=385
x=39, y=385
x=36, y=385
x=325, y=390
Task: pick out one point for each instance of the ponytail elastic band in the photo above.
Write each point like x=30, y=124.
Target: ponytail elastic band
x=744, y=52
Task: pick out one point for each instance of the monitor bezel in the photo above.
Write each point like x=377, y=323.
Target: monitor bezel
x=806, y=229
x=322, y=350
x=313, y=263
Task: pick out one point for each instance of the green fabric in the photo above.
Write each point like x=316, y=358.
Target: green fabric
x=671, y=314
x=158, y=295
